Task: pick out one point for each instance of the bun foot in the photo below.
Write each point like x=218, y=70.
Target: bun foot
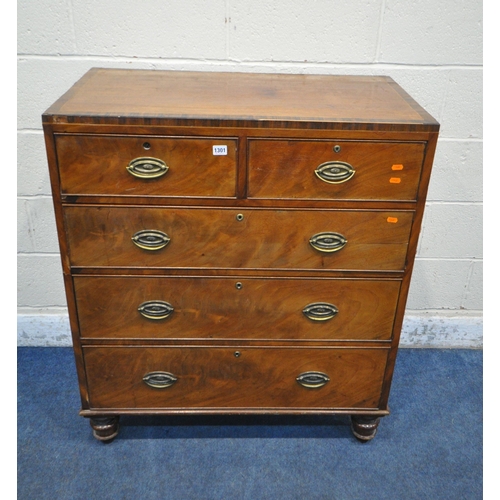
x=104, y=428
x=364, y=427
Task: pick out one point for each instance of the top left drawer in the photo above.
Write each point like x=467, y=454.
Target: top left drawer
x=149, y=166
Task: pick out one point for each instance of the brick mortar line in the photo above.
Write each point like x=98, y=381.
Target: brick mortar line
x=238, y=62
x=453, y=259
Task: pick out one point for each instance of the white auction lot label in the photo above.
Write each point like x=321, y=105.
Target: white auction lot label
x=220, y=150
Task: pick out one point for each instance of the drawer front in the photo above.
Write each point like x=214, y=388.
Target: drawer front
x=221, y=377
x=97, y=165
x=314, y=170
x=229, y=238
x=235, y=308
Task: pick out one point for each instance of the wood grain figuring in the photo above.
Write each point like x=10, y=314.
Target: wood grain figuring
x=214, y=308
x=215, y=377
x=285, y=169
x=264, y=239
x=236, y=98
x=237, y=269
x=96, y=165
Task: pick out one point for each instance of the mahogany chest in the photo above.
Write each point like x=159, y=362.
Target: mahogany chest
x=237, y=243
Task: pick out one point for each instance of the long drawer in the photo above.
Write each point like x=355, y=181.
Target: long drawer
x=147, y=165
x=235, y=308
x=343, y=170
x=221, y=377
x=233, y=238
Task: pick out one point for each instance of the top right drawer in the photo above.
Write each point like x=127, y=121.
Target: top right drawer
x=334, y=170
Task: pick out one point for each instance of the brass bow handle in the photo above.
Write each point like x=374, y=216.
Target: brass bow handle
x=312, y=380
x=328, y=242
x=335, y=172
x=150, y=239
x=320, y=311
x=155, y=309
x=147, y=168
x=159, y=380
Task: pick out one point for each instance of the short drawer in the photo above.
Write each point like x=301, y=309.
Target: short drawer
x=334, y=170
x=198, y=238
x=143, y=165
x=235, y=308
x=223, y=377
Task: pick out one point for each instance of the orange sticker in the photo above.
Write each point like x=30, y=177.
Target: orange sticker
x=395, y=180
x=392, y=219
x=397, y=167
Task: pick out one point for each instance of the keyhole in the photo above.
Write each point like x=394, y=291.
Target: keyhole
x=336, y=148
x=146, y=145
x=237, y=354
x=239, y=285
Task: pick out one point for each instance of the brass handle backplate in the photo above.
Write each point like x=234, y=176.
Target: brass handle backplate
x=328, y=242
x=155, y=309
x=159, y=380
x=150, y=239
x=335, y=172
x=147, y=168
x=320, y=311
x=312, y=380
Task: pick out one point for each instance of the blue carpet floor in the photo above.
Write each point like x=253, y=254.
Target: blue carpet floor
x=430, y=447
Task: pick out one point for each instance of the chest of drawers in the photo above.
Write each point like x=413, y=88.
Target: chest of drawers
x=237, y=243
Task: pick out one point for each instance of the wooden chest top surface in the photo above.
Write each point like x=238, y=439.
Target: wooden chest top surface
x=149, y=97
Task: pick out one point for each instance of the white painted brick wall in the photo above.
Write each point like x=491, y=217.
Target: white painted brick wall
x=433, y=49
